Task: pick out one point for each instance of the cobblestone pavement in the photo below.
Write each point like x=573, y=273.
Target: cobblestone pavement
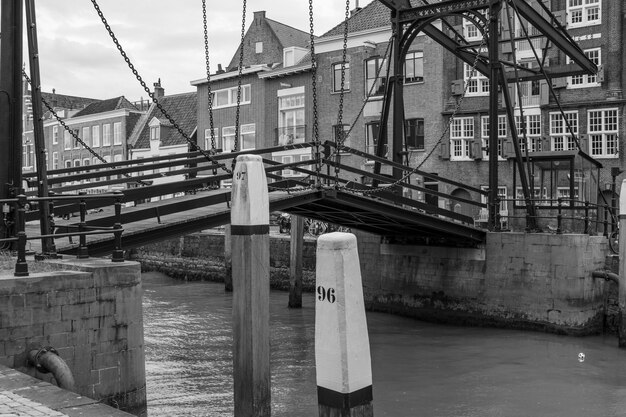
x=13, y=405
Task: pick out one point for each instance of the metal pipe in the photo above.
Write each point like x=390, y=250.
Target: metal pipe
x=606, y=275
x=47, y=360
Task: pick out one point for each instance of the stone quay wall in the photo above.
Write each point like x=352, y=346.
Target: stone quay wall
x=517, y=280
x=90, y=312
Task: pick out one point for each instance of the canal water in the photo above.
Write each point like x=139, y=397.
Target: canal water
x=419, y=369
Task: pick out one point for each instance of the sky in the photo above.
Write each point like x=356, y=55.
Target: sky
x=163, y=39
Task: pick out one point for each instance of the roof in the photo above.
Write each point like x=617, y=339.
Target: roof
x=374, y=15
x=181, y=108
x=103, y=106
x=62, y=101
x=289, y=36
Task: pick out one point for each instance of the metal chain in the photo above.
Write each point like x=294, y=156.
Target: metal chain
x=72, y=132
x=339, y=132
x=208, y=75
x=243, y=34
x=315, y=130
x=193, y=145
x=449, y=124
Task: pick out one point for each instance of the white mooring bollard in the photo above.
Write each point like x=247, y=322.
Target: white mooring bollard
x=250, y=266
x=342, y=350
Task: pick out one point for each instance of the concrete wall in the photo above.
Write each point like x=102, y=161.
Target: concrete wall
x=518, y=280
x=534, y=281
x=90, y=311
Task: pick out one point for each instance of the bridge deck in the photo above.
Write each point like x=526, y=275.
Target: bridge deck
x=150, y=222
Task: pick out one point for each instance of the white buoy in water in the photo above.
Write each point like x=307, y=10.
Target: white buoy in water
x=342, y=350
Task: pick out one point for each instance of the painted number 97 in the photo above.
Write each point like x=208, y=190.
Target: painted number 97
x=240, y=175
x=326, y=294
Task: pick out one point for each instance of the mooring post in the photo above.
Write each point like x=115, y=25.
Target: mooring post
x=228, y=260
x=251, y=283
x=342, y=350
x=295, y=262
x=621, y=291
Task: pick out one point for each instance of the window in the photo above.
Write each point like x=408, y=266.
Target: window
x=258, y=47
x=286, y=160
x=603, y=132
x=95, y=136
x=371, y=137
x=375, y=76
x=55, y=135
x=560, y=137
x=67, y=140
x=470, y=31
x=228, y=139
x=117, y=158
x=68, y=163
x=291, y=126
x=106, y=134
x=155, y=132
x=247, y=137
x=586, y=80
x=76, y=162
x=117, y=133
x=414, y=67
x=477, y=83
x=340, y=134
x=502, y=195
x=55, y=160
x=414, y=131
x=228, y=96
x=337, y=77
x=583, y=12
x=484, y=133
x=533, y=132
x=207, y=138
x=461, y=134
x=86, y=132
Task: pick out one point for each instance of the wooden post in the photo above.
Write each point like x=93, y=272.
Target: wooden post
x=228, y=260
x=251, y=283
x=295, y=262
x=621, y=331
x=342, y=350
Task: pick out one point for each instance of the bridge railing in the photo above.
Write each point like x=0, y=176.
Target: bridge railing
x=15, y=227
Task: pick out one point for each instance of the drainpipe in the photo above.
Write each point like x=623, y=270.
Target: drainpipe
x=606, y=275
x=47, y=360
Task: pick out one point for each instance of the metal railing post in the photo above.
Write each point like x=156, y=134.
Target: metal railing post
x=496, y=209
x=559, y=217
x=52, y=244
x=83, y=252
x=605, y=223
x=21, y=267
x=586, y=231
x=118, y=253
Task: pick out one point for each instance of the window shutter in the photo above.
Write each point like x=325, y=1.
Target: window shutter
x=584, y=143
x=560, y=82
x=545, y=144
x=544, y=93
x=445, y=150
x=476, y=151
x=600, y=73
x=508, y=149
x=457, y=87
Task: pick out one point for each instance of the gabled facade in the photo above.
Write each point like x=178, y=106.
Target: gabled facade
x=154, y=135
x=271, y=50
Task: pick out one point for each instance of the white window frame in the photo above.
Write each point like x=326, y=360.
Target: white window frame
x=478, y=83
x=207, y=138
x=245, y=130
x=502, y=194
x=533, y=132
x=258, y=47
x=86, y=135
x=67, y=140
x=581, y=13
x=586, y=80
x=502, y=132
x=95, y=136
x=55, y=135
x=230, y=95
x=560, y=137
x=461, y=135
x=117, y=133
x=106, y=134
x=228, y=137
x=336, y=77
x=417, y=75
x=606, y=132
x=55, y=160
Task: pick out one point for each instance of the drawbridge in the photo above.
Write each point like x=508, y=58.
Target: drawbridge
x=402, y=210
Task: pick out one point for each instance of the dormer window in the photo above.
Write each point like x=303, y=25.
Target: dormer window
x=292, y=55
x=155, y=132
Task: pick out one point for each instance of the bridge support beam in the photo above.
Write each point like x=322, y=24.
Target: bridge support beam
x=295, y=261
x=228, y=260
x=342, y=350
x=622, y=267
x=251, y=284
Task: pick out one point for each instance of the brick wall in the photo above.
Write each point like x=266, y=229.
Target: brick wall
x=90, y=312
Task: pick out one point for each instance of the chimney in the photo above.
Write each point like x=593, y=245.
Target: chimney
x=54, y=98
x=259, y=16
x=220, y=70
x=158, y=90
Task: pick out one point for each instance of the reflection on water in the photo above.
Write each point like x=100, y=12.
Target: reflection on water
x=419, y=369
